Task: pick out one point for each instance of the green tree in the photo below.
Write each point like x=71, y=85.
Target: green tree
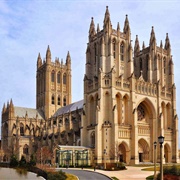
x=32, y=161
x=13, y=161
x=22, y=162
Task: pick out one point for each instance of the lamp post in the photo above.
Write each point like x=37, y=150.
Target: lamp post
x=155, y=144
x=161, y=141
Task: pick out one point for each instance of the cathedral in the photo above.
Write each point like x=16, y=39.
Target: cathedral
x=129, y=101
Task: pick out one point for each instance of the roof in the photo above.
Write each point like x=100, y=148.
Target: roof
x=73, y=147
x=69, y=108
x=31, y=113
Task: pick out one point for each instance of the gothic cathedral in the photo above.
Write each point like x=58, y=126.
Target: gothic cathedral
x=129, y=101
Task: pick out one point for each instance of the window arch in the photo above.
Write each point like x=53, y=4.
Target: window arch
x=64, y=101
x=59, y=100
x=164, y=65
x=93, y=139
x=140, y=64
x=21, y=129
x=64, y=78
x=58, y=78
x=122, y=51
x=52, y=99
x=114, y=48
x=26, y=149
x=52, y=76
x=95, y=52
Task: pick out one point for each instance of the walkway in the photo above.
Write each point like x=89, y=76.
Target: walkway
x=129, y=174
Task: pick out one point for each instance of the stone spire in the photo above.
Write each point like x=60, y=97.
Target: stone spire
x=143, y=45
x=68, y=60
x=107, y=21
x=126, y=25
x=118, y=29
x=167, y=45
x=136, y=46
x=4, y=108
x=48, y=55
x=161, y=44
x=152, y=41
x=98, y=29
x=92, y=31
x=39, y=61
x=11, y=103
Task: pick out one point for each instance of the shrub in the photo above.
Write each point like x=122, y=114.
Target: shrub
x=32, y=161
x=22, y=162
x=172, y=170
x=56, y=175
x=13, y=161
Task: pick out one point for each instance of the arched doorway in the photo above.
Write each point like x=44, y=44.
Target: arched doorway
x=167, y=153
x=123, y=153
x=143, y=150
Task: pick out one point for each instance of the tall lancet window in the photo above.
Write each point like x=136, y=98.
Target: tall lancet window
x=122, y=51
x=95, y=53
x=114, y=48
x=52, y=76
x=64, y=78
x=58, y=78
x=164, y=65
x=140, y=64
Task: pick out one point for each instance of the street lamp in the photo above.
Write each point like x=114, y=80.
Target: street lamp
x=161, y=141
x=155, y=144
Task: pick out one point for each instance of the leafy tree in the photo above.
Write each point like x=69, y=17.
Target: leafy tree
x=22, y=162
x=32, y=161
x=13, y=161
x=44, y=155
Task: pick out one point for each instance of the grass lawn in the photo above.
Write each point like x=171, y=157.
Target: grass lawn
x=158, y=167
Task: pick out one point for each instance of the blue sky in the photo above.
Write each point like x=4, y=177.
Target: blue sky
x=28, y=27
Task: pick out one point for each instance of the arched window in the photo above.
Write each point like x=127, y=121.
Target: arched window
x=52, y=76
x=93, y=139
x=52, y=99
x=64, y=101
x=21, y=129
x=58, y=78
x=164, y=65
x=95, y=53
x=64, y=78
x=26, y=149
x=114, y=48
x=140, y=64
x=122, y=51
x=59, y=100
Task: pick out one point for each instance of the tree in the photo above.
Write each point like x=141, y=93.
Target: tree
x=22, y=162
x=44, y=155
x=114, y=152
x=13, y=161
x=32, y=161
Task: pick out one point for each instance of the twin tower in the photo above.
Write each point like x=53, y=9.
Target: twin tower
x=53, y=84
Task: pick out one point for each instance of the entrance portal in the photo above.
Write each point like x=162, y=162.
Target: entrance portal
x=143, y=150
x=140, y=157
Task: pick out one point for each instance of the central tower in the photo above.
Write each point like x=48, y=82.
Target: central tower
x=108, y=63
x=53, y=84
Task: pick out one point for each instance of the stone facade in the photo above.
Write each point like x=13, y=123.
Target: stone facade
x=129, y=100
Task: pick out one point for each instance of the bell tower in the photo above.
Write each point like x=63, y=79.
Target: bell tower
x=108, y=62
x=53, y=84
